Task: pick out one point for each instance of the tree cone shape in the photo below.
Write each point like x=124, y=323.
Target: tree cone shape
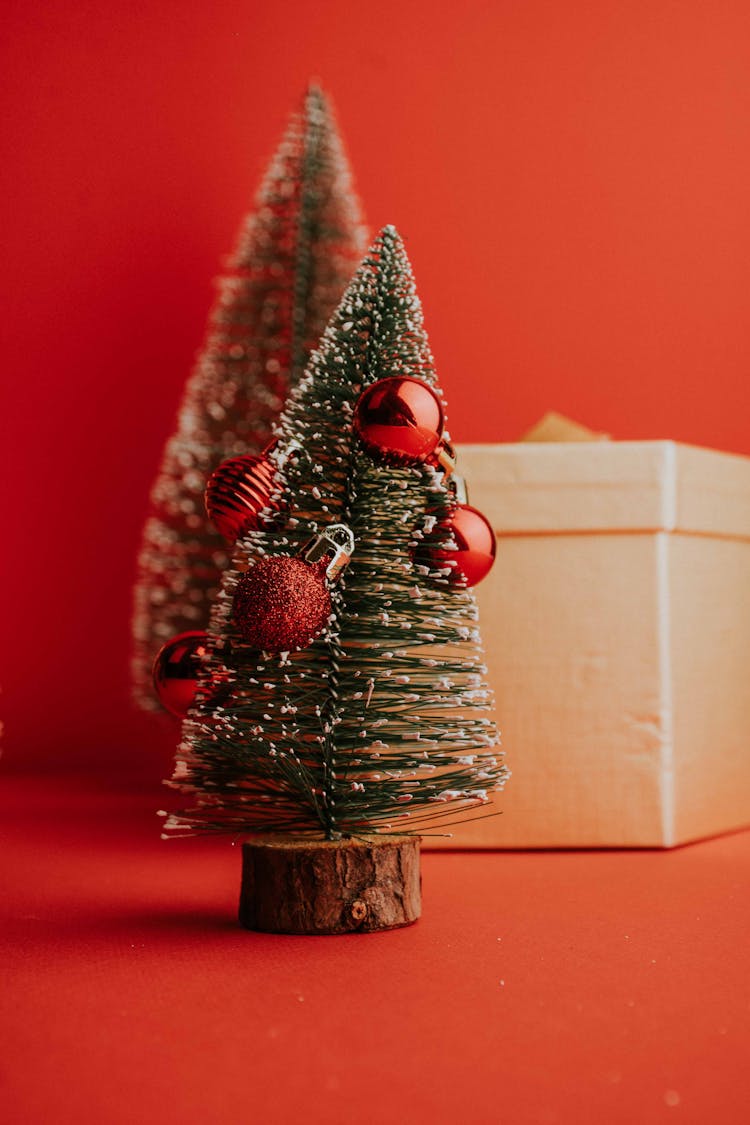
x=298, y=886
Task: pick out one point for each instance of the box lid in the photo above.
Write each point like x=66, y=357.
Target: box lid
x=559, y=487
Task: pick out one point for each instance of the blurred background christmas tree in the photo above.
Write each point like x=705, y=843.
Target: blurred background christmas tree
x=294, y=256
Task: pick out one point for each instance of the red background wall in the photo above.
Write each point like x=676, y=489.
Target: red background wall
x=572, y=180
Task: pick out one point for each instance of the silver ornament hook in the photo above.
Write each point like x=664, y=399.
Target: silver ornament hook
x=336, y=541
x=457, y=486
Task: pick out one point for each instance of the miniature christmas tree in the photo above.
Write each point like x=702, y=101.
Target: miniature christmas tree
x=380, y=723
x=293, y=259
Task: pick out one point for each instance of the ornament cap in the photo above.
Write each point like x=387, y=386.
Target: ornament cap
x=459, y=488
x=283, y=455
x=445, y=455
x=333, y=547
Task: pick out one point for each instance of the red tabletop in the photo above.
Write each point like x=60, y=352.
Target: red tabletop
x=567, y=987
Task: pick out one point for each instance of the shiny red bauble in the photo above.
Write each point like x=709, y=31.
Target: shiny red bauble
x=281, y=604
x=400, y=421
x=237, y=492
x=475, y=542
x=175, y=671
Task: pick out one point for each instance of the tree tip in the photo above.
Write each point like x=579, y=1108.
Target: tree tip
x=315, y=95
x=386, y=253
x=390, y=242
x=389, y=236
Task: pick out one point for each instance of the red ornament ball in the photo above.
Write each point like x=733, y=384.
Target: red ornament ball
x=237, y=492
x=476, y=544
x=282, y=604
x=175, y=671
x=400, y=420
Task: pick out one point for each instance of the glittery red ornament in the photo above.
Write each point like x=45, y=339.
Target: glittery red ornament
x=400, y=420
x=236, y=493
x=282, y=604
x=175, y=671
x=476, y=544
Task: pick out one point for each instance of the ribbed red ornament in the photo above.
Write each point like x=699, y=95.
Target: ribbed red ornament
x=475, y=542
x=175, y=671
x=400, y=421
x=281, y=603
x=237, y=492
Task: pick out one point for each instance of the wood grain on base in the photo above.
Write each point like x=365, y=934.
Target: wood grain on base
x=302, y=886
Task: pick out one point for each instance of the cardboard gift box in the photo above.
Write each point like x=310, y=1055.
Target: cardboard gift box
x=616, y=623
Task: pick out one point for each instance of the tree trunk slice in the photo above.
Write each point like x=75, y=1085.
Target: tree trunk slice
x=300, y=886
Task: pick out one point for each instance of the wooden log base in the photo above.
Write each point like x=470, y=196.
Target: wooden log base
x=302, y=886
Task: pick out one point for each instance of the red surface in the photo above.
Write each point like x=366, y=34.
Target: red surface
x=578, y=988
